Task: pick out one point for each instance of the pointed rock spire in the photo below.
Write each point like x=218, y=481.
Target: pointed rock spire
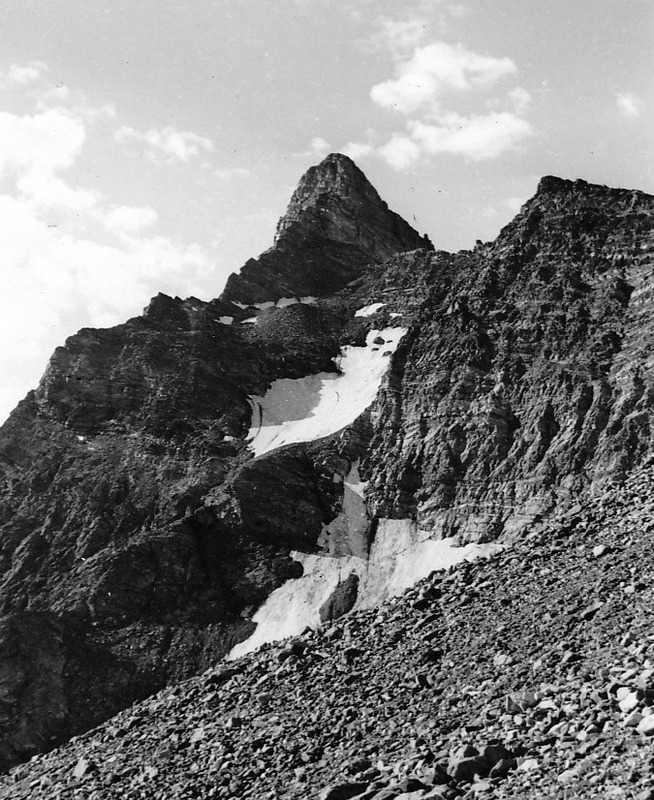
x=335, y=224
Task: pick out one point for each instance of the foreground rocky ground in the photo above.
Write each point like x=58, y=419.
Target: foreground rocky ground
x=530, y=674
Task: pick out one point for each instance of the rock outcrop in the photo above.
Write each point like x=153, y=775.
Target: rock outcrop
x=142, y=532
x=528, y=376
x=335, y=225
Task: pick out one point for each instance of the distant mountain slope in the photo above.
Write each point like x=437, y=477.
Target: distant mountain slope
x=140, y=531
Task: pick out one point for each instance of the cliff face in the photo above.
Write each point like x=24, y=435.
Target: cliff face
x=528, y=377
x=170, y=475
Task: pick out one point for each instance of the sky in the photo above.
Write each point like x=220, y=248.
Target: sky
x=152, y=146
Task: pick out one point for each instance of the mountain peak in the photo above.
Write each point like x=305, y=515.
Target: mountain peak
x=335, y=176
x=335, y=224
x=551, y=184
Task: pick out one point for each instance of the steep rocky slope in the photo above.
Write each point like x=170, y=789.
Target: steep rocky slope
x=530, y=674
x=528, y=377
x=144, y=528
x=136, y=531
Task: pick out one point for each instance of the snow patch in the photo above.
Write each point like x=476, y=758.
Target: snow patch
x=291, y=301
x=250, y=321
x=295, y=605
x=225, y=320
x=281, y=303
x=401, y=555
x=368, y=311
x=354, y=482
x=306, y=409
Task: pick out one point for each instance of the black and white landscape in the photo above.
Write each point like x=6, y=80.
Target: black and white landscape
x=357, y=415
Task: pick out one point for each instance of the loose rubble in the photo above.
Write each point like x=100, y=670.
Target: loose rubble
x=529, y=674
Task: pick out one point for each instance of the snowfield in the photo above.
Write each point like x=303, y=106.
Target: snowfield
x=306, y=409
x=400, y=556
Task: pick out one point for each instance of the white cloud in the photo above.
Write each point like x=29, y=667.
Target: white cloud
x=129, y=219
x=357, y=150
x=477, y=137
x=456, y=10
x=521, y=100
x=232, y=172
x=34, y=148
x=175, y=145
x=434, y=71
x=48, y=190
x=319, y=146
x=19, y=75
x=47, y=141
x=398, y=36
x=428, y=82
x=629, y=105
x=400, y=152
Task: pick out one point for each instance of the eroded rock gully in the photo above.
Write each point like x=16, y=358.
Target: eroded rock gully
x=139, y=533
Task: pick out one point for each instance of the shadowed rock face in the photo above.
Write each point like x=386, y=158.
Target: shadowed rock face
x=134, y=518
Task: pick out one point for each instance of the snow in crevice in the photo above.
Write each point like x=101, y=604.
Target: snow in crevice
x=296, y=604
x=291, y=301
x=306, y=409
x=401, y=555
x=281, y=303
x=368, y=311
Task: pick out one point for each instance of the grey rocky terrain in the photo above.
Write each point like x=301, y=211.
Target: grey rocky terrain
x=530, y=674
x=142, y=532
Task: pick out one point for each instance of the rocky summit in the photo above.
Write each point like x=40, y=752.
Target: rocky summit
x=428, y=475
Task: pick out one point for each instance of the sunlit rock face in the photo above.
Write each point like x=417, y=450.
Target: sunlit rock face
x=529, y=375
x=342, y=408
